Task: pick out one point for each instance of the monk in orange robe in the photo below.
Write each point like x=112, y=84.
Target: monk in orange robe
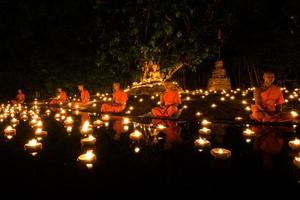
x=20, y=98
x=268, y=102
x=169, y=101
x=61, y=97
x=119, y=100
x=84, y=97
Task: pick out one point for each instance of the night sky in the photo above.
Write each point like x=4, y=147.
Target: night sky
x=47, y=44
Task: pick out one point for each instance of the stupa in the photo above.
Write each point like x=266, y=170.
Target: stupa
x=219, y=80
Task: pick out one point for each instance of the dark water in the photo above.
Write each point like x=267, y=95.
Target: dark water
x=168, y=163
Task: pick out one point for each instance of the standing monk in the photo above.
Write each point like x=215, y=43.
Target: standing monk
x=268, y=101
x=119, y=100
x=169, y=101
x=20, y=98
x=61, y=97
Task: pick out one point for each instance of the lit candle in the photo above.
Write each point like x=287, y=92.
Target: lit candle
x=213, y=105
x=161, y=127
x=295, y=144
x=33, y=146
x=90, y=140
x=69, y=121
x=238, y=118
x=205, y=122
x=248, y=133
x=9, y=132
x=105, y=117
x=296, y=161
x=14, y=121
x=126, y=127
x=198, y=114
x=98, y=123
x=126, y=120
x=202, y=143
x=204, y=130
x=294, y=114
x=137, y=150
x=88, y=158
x=86, y=129
x=69, y=128
x=136, y=135
x=48, y=112
x=40, y=133
x=220, y=153
x=39, y=124
x=33, y=122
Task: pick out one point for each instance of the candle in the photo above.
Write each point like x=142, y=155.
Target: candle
x=220, y=153
x=294, y=114
x=296, y=161
x=205, y=122
x=137, y=150
x=33, y=146
x=202, y=143
x=204, y=130
x=88, y=158
x=48, y=112
x=39, y=124
x=161, y=127
x=90, y=140
x=69, y=128
x=105, y=117
x=86, y=129
x=14, y=121
x=126, y=127
x=9, y=132
x=33, y=122
x=98, y=123
x=213, y=105
x=295, y=144
x=126, y=120
x=248, y=133
x=136, y=135
x=69, y=121
x=238, y=118
x=198, y=114
x=40, y=133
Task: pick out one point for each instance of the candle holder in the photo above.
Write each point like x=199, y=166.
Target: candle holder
x=88, y=158
x=40, y=133
x=33, y=146
x=202, y=143
x=204, y=131
x=136, y=135
x=88, y=141
x=98, y=123
x=220, y=153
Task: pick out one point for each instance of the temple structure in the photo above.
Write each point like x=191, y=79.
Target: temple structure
x=219, y=80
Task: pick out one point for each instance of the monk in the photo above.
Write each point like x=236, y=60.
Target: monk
x=169, y=101
x=84, y=97
x=20, y=98
x=268, y=102
x=61, y=97
x=119, y=100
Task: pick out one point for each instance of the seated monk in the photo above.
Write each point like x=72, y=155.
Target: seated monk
x=268, y=102
x=84, y=97
x=119, y=100
x=61, y=97
x=169, y=101
x=20, y=98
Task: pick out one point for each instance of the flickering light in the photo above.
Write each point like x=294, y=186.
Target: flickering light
x=294, y=113
x=205, y=122
x=136, y=135
x=295, y=144
x=204, y=130
x=202, y=143
x=90, y=140
x=220, y=153
x=213, y=105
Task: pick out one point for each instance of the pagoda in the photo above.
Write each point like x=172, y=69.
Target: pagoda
x=219, y=80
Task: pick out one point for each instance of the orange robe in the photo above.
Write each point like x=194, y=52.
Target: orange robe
x=62, y=98
x=170, y=99
x=84, y=97
x=20, y=98
x=269, y=99
x=119, y=102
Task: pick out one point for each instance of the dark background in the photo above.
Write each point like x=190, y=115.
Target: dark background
x=46, y=44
